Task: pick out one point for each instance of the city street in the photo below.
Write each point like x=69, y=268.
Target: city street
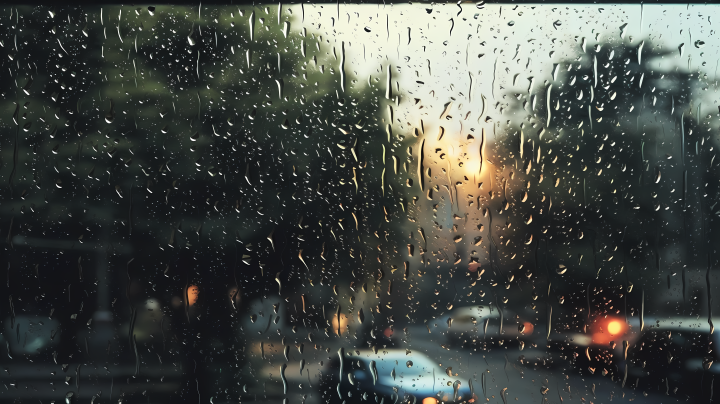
x=508, y=375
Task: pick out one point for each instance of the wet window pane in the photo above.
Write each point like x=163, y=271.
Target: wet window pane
x=338, y=203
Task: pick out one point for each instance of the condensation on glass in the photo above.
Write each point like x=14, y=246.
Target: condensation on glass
x=328, y=203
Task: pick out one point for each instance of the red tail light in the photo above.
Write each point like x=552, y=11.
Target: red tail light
x=608, y=329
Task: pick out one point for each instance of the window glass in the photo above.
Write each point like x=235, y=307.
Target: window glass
x=387, y=203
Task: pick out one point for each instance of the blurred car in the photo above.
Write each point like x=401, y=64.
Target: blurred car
x=676, y=355
x=601, y=332
x=672, y=354
x=595, y=348
x=476, y=325
x=392, y=376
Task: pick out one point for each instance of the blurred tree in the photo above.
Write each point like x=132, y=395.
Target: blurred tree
x=607, y=182
x=212, y=148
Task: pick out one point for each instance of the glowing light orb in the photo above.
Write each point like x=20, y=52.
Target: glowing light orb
x=614, y=327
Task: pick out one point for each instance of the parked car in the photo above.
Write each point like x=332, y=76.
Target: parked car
x=677, y=355
x=672, y=354
x=474, y=326
x=393, y=376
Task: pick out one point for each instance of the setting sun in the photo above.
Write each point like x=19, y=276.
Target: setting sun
x=614, y=327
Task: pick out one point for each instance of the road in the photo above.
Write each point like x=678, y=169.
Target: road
x=508, y=374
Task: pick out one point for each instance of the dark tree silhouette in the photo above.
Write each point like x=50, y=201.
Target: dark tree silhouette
x=611, y=192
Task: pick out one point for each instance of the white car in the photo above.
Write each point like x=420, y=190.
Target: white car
x=392, y=374
x=474, y=324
